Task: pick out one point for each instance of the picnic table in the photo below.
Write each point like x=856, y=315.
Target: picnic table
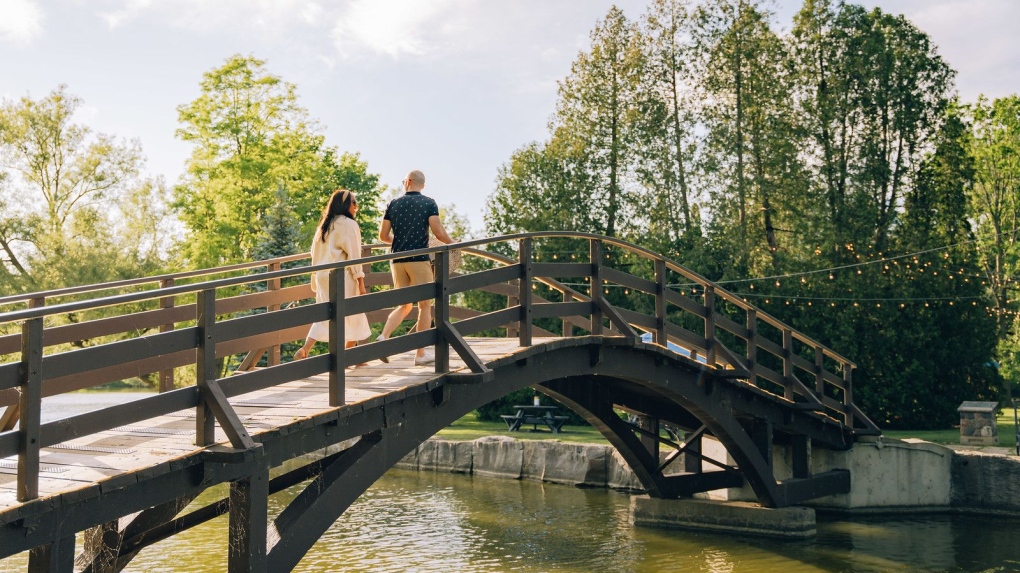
x=535, y=415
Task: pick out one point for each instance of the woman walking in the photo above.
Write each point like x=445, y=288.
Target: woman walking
x=337, y=238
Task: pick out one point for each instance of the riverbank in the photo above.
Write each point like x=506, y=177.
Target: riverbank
x=888, y=475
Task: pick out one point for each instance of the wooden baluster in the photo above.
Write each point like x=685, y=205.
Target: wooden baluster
x=337, y=338
x=166, y=377
x=12, y=413
x=30, y=406
x=848, y=396
x=205, y=422
x=524, y=252
x=788, y=364
x=442, y=311
x=513, y=329
x=568, y=327
x=273, y=357
x=819, y=372
x=661, y=337
x=752, y=345
x=596, y=287
x=710, y=350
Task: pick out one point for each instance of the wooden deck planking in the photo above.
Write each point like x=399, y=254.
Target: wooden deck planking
x=164, y=438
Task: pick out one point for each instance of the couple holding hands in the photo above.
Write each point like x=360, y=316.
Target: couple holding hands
x=405, y=227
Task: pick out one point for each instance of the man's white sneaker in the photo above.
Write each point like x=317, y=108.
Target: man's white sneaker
x=428, y=358
x=380, y=338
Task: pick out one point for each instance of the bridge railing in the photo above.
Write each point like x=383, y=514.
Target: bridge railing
x=70, y=345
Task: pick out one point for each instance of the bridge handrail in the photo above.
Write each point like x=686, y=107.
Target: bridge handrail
x=176, y=290
x=44, y=310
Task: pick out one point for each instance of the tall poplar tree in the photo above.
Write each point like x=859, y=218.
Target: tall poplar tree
x=751, y=144
x=667, y=125
x=594, y=117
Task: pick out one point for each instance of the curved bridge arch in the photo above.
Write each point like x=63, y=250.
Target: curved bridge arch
x=589, y=375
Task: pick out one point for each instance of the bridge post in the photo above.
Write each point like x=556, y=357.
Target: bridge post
x=660, y=303
x=692, y=452
x=819, y=372
x=848, y=396
x=337, y=338
x=166, y=377
x=596, y=287
x=249, y=522
x=649, y=440
x=441, y=311
x=12, y=413
x=710, y=342
x=524, y=253
x=752, y=346
x=568, y=327
x=787, y=364
x=30, y=406
x=273, y=356
x=205, y=423
x=55, y=557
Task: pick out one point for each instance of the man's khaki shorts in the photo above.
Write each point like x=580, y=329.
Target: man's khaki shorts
x=411, y=273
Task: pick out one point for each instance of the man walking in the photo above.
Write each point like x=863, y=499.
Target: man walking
x=405, y=227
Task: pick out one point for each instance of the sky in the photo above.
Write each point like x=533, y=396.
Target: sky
x=450, y=87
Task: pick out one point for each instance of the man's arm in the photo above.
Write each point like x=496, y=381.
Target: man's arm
x=437, y=229
x=385, y=233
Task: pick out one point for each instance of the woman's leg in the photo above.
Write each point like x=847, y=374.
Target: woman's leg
x=303, y=351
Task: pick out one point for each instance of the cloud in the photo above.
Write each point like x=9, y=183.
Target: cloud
x=274, y=17
x=20, y=21
x=398, y=28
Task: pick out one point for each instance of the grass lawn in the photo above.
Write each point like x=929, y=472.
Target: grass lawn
x=469, y=428
x=1007, y=432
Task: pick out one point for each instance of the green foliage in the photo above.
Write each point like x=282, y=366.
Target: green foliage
x=251, y=138
x=72, y=210
x=704, y=133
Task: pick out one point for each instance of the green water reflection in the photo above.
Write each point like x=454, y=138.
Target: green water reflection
x=450, y=523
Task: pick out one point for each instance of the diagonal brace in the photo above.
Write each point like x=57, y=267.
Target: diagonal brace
x=461, y=347
x=617, y=319
x=213, y=395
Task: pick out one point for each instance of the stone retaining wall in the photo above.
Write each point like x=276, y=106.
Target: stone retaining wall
x=886, y=475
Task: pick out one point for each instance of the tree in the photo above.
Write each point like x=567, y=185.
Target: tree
x=751, y=141
x=920, y=365
x=666, y=126
x=872, y=90
x=250, y=137
x=995, y=201
x=544, y=186
x=594, y=118
x=62, y=214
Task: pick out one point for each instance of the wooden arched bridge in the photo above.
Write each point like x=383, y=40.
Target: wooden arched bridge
x=603, y=326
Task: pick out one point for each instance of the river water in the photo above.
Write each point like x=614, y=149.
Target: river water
x=444, y=523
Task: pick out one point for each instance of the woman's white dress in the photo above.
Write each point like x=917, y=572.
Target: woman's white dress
x=343, y=242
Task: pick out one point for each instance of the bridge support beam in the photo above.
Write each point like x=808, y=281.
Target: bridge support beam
x=249, y=522
x=55, y=557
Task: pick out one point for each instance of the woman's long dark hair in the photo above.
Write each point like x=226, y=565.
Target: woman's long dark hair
x=339, y=204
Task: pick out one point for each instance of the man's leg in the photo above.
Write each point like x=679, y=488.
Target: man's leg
x=401, y=279
x=420, y=272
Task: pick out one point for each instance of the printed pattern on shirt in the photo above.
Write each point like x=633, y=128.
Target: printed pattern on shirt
x=409, y=218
